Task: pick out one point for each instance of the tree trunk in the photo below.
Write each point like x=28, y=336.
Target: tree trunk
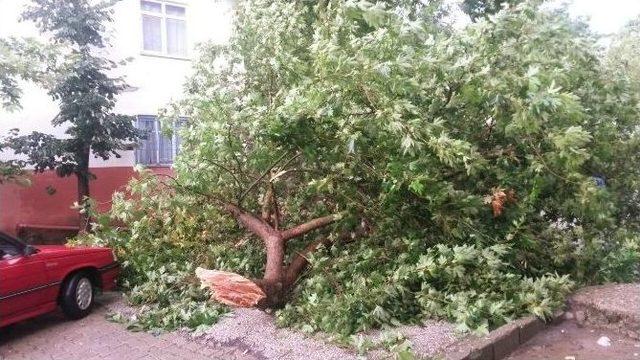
x=272, y=282
x=83, y=194
x=83, y=176
x=279, y=278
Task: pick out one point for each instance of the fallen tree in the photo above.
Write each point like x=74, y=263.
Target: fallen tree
x=505, y=150
x=379, y=113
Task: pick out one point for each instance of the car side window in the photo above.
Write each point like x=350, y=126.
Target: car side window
x=8, y=249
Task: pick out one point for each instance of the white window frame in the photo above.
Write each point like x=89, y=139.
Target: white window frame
x=157, y=134
x=163, y=28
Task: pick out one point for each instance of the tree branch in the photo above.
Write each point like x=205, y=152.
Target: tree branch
x=266, y=204
x=286, y=172
x=214, y=163
x=276, y=207
x=270, y=208
x=291, y=160
x=192, y=190
x=300, y=261
x=230, y=135
x=257, y=181
x=248, y=220
x=309, y=226
x=251, y=222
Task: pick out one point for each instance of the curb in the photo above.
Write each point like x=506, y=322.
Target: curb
x=502, y=341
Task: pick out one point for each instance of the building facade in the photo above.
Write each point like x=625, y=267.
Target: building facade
x=160, y=38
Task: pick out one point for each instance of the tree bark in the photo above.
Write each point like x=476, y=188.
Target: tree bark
x=300, y=261
x=83, y=193
x=83, y=177
x=302, y=229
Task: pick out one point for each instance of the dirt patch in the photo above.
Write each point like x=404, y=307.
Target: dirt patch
x=613, y=308
x=568, y=341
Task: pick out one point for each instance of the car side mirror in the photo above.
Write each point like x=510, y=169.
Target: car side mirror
x=29, y=250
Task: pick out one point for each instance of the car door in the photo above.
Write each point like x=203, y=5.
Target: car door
x=25, y=289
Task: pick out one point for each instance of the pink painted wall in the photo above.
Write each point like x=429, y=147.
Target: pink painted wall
x=34, y=206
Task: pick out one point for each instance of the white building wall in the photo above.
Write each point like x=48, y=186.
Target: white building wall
x=156, y=81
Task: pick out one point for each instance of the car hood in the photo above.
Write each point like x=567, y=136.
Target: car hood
x=63, y=250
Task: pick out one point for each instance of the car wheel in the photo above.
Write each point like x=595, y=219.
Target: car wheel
x=77, y=296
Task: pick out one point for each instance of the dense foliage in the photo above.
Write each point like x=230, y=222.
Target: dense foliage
x=477, y=9
x=85, y=91
x=477, y=173
x=624, y=53
x=158, y=236
x=27, y=60
x=22, y=59
x=470, y=286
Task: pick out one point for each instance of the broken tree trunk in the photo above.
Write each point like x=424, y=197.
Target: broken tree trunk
x=279, y=278
x=231, y=289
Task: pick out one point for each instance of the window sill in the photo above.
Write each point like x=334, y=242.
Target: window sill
x=165, y=56
x=155, y=166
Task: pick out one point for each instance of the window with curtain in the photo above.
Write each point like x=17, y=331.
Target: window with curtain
x=164, y=28
x=157, y=148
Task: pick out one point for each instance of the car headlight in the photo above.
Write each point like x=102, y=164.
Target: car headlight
x=113, y=253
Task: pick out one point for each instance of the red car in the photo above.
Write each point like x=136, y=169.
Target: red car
x=36, y=279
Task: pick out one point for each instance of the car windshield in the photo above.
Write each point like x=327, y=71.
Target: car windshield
x=9, y=247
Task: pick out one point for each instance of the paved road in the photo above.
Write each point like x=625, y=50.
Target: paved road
x=52, y=337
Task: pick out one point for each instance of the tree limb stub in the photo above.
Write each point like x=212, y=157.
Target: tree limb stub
x=231, y=288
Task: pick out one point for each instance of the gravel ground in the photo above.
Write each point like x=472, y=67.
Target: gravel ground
x=256, y=332
x=426, y=341
x=430, y=338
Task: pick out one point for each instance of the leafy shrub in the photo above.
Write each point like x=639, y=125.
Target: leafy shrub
x=619, y=260
x=475, y=287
